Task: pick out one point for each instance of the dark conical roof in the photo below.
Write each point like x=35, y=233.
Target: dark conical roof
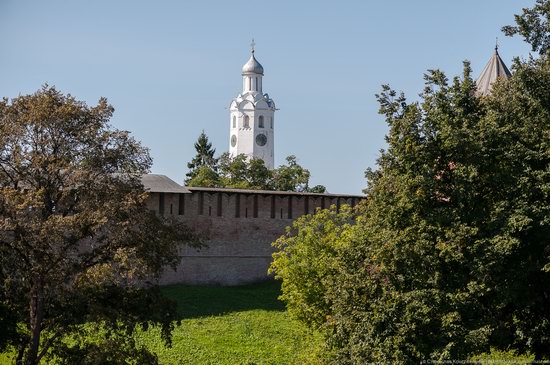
x=494, y=69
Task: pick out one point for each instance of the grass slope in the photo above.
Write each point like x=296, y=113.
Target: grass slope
x=229, y=325
x=232, y=325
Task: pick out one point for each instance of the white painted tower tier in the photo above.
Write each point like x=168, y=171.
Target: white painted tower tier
x=252, y=119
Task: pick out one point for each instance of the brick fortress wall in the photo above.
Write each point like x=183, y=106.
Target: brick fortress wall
x=240, y=226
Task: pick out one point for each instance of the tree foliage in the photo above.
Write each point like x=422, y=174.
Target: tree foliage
x=307, y=260
x=449, y=256
x=204, y=176
x=291, y=177
x=76, y=239
x=240, y=172
x=534, y=26
x=203, y=160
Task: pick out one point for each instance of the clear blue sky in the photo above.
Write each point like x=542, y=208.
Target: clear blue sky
x=170, y=68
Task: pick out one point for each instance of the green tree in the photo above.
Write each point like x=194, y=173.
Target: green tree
x=206, y=177
x=259, y=176
x=241, y=173
x=234, y=171
x=449, y=255
x=320, y=189
x=204, y=157
x=307, y=261
x=293, y=177
x=77, y=242
x=534, y=26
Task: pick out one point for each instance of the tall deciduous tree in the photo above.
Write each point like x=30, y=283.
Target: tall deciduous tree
x=258, y=175
x=449, y=256
x=76, y=239
x=234, y=171
x=240, y=173
x=291, y=177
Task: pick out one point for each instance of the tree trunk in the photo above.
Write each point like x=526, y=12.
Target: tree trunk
x=36, y=316
x=20, y=353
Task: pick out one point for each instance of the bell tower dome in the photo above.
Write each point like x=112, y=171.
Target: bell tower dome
x=251, y=116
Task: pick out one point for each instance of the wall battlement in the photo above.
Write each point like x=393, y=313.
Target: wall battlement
x=234, y=203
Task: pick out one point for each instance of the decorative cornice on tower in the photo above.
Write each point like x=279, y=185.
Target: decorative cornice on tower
x=256, y=100
x=494, y=70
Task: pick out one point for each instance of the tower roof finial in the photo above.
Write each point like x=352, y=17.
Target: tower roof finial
x=253, y=66
x=494, y=70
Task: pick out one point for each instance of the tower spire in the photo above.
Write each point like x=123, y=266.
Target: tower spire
x=494, y=70
x=252, y=45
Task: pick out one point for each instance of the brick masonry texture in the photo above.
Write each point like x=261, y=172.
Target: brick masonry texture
x=239, y=226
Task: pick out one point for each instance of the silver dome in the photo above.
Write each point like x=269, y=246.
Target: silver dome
x=253, y=66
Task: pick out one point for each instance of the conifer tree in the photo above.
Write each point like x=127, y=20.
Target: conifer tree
x=203, y=158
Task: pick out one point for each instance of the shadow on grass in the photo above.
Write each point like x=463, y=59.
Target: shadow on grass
x=200, y=301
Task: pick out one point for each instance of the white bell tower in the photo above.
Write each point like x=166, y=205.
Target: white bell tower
x=252, y=117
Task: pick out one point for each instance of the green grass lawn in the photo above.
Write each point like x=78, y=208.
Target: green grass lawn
x=230, y=325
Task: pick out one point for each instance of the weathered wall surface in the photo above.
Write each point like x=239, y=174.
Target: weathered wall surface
x=240, y=227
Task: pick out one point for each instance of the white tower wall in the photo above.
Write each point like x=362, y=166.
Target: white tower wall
x=252, y=118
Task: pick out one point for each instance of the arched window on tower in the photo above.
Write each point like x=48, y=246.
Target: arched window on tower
x=271, y=122
x=246, y=123
x=234, y=122
x=261, y=121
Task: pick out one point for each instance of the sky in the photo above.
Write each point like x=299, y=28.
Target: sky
x=171, y=68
